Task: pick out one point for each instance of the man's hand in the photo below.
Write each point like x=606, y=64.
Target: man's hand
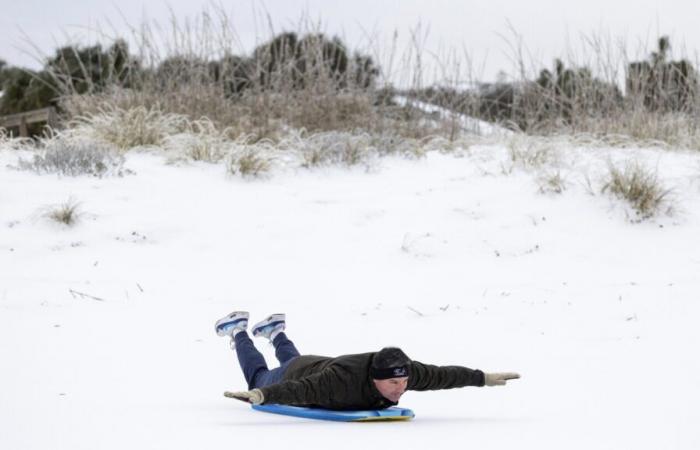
x=499, y=379
x=255, y=396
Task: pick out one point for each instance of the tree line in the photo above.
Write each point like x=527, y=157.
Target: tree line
x=290, y=62
x=565, y=95
x=287, y=61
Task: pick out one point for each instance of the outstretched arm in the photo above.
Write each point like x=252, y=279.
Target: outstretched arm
x=427, y=377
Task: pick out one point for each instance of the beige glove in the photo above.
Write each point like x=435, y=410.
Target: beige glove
x=499, y=379
x=255, y=396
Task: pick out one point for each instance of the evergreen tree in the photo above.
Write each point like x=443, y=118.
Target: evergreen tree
x=25, y=90
x=90, y=69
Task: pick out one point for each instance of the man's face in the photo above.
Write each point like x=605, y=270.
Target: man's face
x=392, y=388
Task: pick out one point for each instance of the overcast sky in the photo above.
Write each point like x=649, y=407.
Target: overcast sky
x=29, y=28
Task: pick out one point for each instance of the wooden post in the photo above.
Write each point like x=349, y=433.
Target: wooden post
x=52, y=119
x=23, y=132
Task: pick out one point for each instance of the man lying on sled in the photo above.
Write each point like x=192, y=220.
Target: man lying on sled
x=375, y=380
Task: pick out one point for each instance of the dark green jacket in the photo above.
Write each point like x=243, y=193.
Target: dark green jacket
x=344, y=382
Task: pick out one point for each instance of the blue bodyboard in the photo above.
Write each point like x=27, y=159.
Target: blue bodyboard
x=373, y=415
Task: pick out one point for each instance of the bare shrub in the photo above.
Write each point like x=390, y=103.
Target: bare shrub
x=73, y=157
x=639, y=187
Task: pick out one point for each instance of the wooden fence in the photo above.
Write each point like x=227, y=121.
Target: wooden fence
x=22, y=120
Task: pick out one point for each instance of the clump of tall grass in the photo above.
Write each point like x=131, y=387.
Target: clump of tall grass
x=248, y=163
x=326, y=148
x=145, y=116
x=73, y=157
x=551, y=182
x=639, y=187
x=182, y=103
x=201, y=141
x=128, y=128
x=530, y=153
x=13, y=143
x=298, y=148
x=358, y=147
x=67, y=213
x=4, y=136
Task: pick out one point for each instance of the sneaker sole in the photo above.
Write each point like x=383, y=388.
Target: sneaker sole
x=271, y=322
x=223, y=323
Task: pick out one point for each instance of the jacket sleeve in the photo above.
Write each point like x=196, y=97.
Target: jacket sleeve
x=315, y=389
x=426, y=377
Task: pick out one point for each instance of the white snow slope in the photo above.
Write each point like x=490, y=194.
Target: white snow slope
x=452, y=258
x=467, y=123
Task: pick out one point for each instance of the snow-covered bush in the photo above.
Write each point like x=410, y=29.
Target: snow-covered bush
x=202, y=141
x=72, y=157
x=129, y=128
x=250, y=159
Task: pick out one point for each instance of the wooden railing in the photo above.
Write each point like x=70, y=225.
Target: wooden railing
x=22, y=120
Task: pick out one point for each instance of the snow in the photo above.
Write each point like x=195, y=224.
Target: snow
x=451, y=257
x=467, y=123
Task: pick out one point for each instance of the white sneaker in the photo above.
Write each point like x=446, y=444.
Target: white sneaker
x=272, y=325
x=237, y=320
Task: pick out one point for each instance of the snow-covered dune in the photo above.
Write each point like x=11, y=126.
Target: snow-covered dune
x=466, y=123
x=106, y=326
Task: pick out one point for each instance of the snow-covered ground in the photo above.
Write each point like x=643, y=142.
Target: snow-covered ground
x=455, y=258
x=466, y=123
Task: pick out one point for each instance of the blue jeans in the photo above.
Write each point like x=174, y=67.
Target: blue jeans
x=253, y=363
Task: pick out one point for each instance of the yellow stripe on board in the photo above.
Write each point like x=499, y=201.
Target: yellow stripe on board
x=384, y=419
